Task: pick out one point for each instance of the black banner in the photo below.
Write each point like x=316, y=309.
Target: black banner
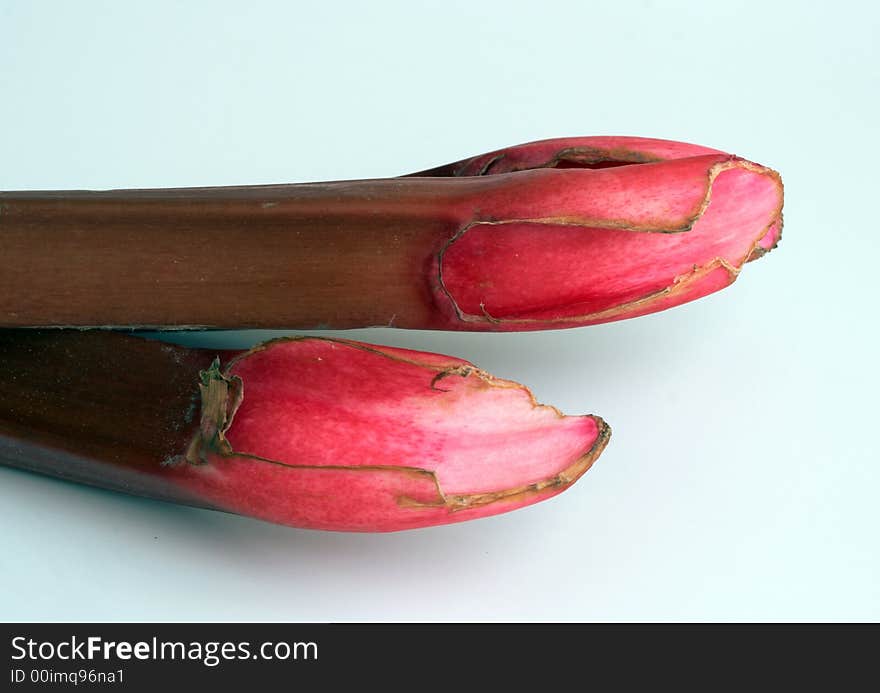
x=141, y=656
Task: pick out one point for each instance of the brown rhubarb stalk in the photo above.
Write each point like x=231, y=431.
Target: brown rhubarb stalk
x=550, y=234
x=317, y=433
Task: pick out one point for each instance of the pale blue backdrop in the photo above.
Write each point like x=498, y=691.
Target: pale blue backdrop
x=742, y=479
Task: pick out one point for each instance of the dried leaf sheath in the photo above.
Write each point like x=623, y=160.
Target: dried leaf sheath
x=316, y=433
x=546, y=235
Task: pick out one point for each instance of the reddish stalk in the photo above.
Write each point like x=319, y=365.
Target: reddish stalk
x=317, y=433
x=546, y=235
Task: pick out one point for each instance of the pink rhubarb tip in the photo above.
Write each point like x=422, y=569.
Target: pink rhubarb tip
x=587, y=230
x=340, y=435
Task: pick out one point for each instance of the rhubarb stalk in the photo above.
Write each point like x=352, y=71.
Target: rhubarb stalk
x=317, y=433
x=546, y=235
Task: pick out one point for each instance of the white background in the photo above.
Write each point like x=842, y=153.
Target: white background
x=741, y=481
